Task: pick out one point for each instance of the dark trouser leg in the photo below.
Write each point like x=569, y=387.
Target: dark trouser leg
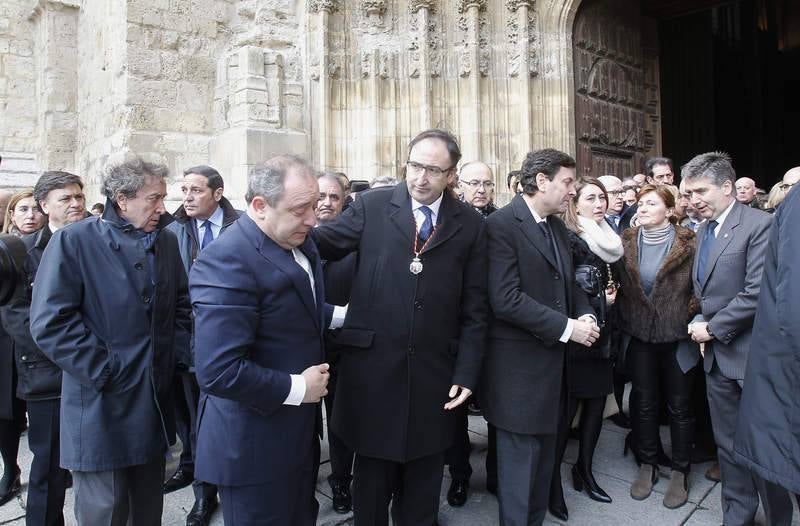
x=191, y=398
x=185, y=406
x=776, y=501
x=341, y=455
x=10, y=431
x=48, y=482
x=591, y=424
x=524, y=468
x=678, y=388
x=101, y=498
x=287, y=501
x=416, y=500
x=703, y=433
x=145, y=496
x=620, y=379
x=739, y=493
x=457, y=457
x=556, y=489
x=491, y=458
x=373, y=485
x=644, y=400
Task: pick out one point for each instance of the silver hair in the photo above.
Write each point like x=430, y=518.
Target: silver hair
x=267, y=179
x=383, y=180
x=335, y=177
x=716, y=166
x=124, y=174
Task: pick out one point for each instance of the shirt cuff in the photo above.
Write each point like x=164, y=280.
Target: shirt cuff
x=567, y=332
x=298, y=390
x=337, y=320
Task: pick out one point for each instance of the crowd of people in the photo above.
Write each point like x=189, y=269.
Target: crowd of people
x=404, y=308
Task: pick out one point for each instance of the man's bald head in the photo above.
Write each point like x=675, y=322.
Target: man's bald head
x=5, y=197
x=745, y=190
x=477, y=182
x=791, y=178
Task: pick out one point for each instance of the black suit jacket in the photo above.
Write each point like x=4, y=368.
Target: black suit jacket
x=406, y=338
x=531, y=300
x=624, y=219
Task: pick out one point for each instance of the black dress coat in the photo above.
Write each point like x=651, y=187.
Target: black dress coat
x=768, y=434
x=115, y=329
x=406, y=338
x=531, y=300
x=589, y=375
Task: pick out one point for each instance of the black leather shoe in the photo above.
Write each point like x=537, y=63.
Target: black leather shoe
x=342, y=501
x=10, y=488
x=558, y=508
x=179, y=479
x=201, y=512
x=457, y=494
x=621, y=420
x=585, y=481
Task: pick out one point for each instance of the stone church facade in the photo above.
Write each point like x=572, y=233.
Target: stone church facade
x=345, y=83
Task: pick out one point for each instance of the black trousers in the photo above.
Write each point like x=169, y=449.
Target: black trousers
x=525, y=464
x=457, y=457
x=187, y=397
x=413, y=488
x=48, y=482
x=341, y=455
x=653, y=366
x=10, y=431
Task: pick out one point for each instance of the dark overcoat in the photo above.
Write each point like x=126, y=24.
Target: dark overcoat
x=407, y=338
x=38, y=377
x=531, y=300
x=768, y=432
x=114, y=328
x=256, y=323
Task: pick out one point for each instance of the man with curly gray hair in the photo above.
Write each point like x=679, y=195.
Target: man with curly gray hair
x=111, y=309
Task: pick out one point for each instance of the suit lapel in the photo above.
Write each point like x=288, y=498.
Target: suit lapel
x=532, y=231
x=726, y=233
x=446, y=222
x=400, y=214
x=285, y=262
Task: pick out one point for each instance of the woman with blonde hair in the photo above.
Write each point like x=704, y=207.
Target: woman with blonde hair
x=776, y=196
x=595, y=248
x=23, y=215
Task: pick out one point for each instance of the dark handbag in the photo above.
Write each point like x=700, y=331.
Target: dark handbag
x=590, y=280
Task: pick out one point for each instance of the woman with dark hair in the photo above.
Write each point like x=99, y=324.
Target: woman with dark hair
x=595, y=247
x=655, y=303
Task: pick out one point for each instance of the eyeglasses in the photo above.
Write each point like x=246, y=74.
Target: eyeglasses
x=616, y=193
x=433, y=171
x=786, y=186
x=629, y=187
x=475, y=184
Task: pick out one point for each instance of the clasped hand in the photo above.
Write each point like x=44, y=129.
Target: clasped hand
x=585, y=331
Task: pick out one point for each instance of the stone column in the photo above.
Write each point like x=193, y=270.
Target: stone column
x=421, y=11
x=56, y=26
x=521, y=68
x=323, y=9
x=471, y=68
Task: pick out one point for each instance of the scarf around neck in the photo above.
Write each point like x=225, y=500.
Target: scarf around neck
x=601, y=238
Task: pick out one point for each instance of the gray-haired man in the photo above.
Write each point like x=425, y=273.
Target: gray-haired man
x=111, y=309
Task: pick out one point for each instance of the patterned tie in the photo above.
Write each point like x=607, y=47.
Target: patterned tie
x=208, y=236
x=427, y=225
x=705, y=250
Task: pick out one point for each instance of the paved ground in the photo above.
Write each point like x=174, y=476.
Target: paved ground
x=613, y=471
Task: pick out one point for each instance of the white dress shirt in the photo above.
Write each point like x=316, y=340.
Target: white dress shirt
x=722, y=217
x=298, y=390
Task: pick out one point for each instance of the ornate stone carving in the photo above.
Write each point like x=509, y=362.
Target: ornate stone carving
x=415, y=5
x=373, y=8
x=331, y=6
x=424, y=40
x=464, y=6
x=474, y=40
x=518, y=47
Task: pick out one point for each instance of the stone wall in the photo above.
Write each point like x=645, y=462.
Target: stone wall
x=18, y=105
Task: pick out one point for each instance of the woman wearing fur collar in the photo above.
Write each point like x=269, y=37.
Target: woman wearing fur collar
x=595, y=248
x=655, y=303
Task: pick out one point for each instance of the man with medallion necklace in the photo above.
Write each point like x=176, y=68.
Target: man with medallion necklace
x=414, y=336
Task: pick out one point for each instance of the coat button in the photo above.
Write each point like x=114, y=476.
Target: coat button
x=138, y=266
x=23, y=357
x=410, y=349
x=556, y=276
x=146, y=298
x=418, y=305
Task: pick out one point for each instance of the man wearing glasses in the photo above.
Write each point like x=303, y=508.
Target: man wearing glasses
x=790, y=179
x=477, y=183
x=618, y=215
x=414, y=335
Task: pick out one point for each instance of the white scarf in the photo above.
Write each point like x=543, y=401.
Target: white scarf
x=601, y=238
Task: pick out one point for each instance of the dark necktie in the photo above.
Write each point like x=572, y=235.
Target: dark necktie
x=427, y=225
x=705, y=250
x=548, y=235
x=208, y=236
